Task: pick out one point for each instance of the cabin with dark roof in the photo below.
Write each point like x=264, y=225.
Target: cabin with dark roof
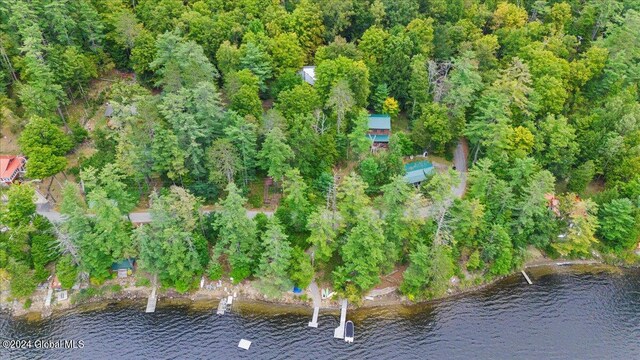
x=379, y=130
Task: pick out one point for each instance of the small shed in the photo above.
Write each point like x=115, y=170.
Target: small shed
x=108, y=111
x=124, y=267
x=308, y=74
x=62, y=295
x=416, y=172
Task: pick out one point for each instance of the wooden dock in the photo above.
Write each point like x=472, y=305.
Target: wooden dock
x=315, y=295
x=339, y=331
x=314, y=320
x=222, y=306
x=526, y=277
x=47, y=300
x=152, y=301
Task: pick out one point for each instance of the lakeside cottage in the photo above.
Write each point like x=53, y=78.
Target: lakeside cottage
x=10, y=167
x=417, y=172
x=379, y=131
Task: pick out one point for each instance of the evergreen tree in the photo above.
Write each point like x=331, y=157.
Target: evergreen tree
x=501, y=250
x=275, y=260
x=168, y=243
x=300, y=270
x=180, y=63
x=66, y=271
x=295, y=204
x=323, y=225
x=401, y=215
x=428, y=273
x=243, y=135
x=275, y=156
x=257, y=60
x=363, y=255
x=236, y=233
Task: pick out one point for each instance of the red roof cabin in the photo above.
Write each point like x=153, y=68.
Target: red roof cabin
x=10, y=167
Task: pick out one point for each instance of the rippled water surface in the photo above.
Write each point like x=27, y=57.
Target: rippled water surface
x=569, y=314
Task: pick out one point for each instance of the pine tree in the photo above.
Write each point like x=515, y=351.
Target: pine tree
x=256, y=59
x=323, y=225
x=275, y=260
x=236, y=233
x=168, y=244
x=275, y=156
x=363, y=255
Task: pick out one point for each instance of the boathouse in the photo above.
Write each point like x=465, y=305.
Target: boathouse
x=124, y=267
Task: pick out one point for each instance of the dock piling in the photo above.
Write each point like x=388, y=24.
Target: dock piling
x=152, y=301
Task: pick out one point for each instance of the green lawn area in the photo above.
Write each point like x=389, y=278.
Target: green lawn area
x=401, y=123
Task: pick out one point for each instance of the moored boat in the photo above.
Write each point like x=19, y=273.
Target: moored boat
x=349, y=331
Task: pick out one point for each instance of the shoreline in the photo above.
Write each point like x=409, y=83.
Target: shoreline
x=249, y=298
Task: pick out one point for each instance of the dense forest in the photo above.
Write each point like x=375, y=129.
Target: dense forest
x=205, y=102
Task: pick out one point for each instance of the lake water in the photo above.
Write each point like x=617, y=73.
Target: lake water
x=569, y=313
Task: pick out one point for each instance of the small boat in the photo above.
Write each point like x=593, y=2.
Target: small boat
x=349, y=331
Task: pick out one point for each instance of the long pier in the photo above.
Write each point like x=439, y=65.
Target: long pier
x=315, y=295
x=339, y=331
x=526, y=277
x=47, y=300
x=314, y=320
x=152, y=301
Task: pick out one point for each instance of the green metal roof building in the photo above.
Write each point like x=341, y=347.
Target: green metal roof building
x=379, y=130
x=417, y=172
x=126, y=264
x=378, y=138
x=379, y=122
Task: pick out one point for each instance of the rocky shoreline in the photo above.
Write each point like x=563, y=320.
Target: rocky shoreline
x=247, y=295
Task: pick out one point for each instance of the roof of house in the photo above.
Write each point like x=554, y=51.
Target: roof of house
x=378, y=138
x=9, y=164
x=308, y=74
x=125, y=264
x=417, y=171
x=379, y=121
